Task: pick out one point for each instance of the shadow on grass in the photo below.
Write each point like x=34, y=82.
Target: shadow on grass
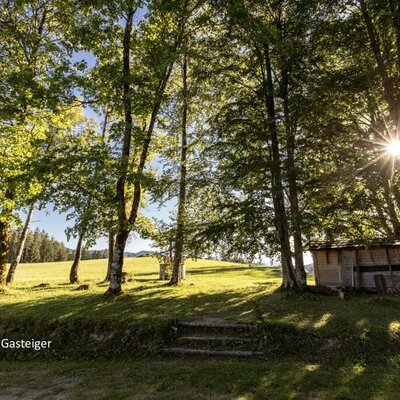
x=202, y=379
x=361, y=315
x=311, y=324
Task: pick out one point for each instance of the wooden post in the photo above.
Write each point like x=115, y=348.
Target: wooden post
x=390, y=267
x=380, y=284
x=316, y=271
x=342, y=273
x=358, y=270
x=371, y=255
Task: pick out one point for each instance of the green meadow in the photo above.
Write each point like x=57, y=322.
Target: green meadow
x=317, y=347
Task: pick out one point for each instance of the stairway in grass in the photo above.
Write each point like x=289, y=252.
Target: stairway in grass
x=214, y=338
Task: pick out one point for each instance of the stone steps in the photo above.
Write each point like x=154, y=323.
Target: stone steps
x=206, y=352
x=213, y=338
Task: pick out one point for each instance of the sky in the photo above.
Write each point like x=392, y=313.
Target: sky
x=55, y=224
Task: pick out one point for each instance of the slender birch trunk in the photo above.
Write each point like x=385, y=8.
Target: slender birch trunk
x=21, y=245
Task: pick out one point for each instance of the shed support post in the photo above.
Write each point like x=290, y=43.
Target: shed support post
x=390, y=267
x=316, y=271
x=358, y=271
x=342, y=274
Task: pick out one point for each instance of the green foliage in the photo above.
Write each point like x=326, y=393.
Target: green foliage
x=37, y=78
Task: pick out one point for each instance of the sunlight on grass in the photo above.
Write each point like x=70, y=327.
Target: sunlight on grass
x=394, y=328
x=210, y=287
x=323, y=321
x=226, y=290
x=312, y=367
x=358, y=369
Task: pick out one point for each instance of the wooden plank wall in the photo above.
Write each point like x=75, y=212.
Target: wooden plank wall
x=340, y=270
x=328, y=268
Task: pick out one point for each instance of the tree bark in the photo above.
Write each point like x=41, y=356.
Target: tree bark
x=382, y=218
x=301, y=276
x=115, y=288
x=394, y=220
x=123, y=229
x=21, y=245
x=395, y=10
x=111, y=246
x=387, y=81
x=4, y=244
x=73, y=275
x=125, y=223
x=280, y=219
x=179, y=238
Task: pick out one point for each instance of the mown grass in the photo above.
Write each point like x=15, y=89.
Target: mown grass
x=212, y=289
x=189, y=378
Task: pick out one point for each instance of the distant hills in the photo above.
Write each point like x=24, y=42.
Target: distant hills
x=142, y=253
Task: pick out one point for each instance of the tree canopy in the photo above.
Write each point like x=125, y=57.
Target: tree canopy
x=268, y=123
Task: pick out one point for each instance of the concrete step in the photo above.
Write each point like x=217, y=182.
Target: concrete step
x=208, y=342
x=207, y=352
x=215, y=325
x=195, y=328
x=208, y=338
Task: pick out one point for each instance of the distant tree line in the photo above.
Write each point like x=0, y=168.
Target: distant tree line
x=41, y=247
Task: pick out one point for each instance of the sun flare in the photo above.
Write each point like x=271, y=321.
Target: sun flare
x=393, y=148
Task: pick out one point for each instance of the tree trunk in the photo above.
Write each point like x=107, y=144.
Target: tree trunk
x=395, y=10
x=280, y=219
x=387, y=81
x=125, y=223
x=301, y=276
x=123, y=230
x=394, y=220
x=382, y=217
x=115, y=288
x=179, y=238
x=73, y=275
x=111, y=246
x=4, y=243
x=21, y=245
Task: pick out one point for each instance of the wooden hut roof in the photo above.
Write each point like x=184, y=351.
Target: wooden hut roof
x=349, y=244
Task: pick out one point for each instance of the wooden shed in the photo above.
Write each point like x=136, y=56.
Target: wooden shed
x=347, y=264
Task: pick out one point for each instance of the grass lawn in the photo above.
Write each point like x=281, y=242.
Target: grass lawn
x=196, y=379
x=234, y=292
x=211, y=288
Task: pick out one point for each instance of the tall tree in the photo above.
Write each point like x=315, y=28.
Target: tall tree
x=21, y=245
x=180, y=223
x=36, y=79
x=137, y=162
